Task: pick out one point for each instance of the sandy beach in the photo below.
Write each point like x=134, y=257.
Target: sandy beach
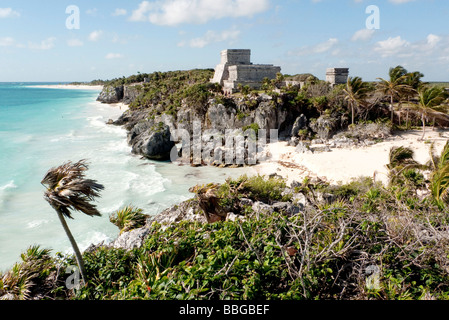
x=123, y=107
x=69, y=86
x=343, y=165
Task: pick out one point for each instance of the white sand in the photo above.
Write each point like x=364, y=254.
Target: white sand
x=342, y=165
x=68, y=86
x=119, y=105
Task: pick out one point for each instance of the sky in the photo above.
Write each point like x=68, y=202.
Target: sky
x=80, y=40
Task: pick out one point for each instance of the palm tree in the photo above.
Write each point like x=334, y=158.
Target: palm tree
x=413, y=79
x=430, y=104
x=67, y=190
x=400, y=160
x=356, y=91
x=128, y=218
x=439, y=180
x=396, y=87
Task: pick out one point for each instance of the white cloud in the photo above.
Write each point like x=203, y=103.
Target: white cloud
x=212, y=37
x=74, y=43
x=400, y=1
x=92, y=12
x=175, y=12
x=433, y=40
x=95, y=35
x=8, y=13
x=119, y=12
x=114, y=56
x=391, y=46
x=46, y=44
x=325, y=46
x=7, y=42
x=363, y=35
x=316, y=49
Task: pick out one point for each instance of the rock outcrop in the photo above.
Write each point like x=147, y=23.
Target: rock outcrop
x=111, y=94
x=325, y=126
x=192, y=210
x=130, y=93
x=152, y=140
x=300, y=124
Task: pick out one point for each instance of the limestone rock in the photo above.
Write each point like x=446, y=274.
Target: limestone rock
x=287, y=208
x=111, y=94
x=185, y=211
x=325, y=127
x=303, y=147
x=132, y=239
x=130, y=93
x=300, y=123
x=260, y=207
x=265, y=116
x=151, y=140
x=220, y=117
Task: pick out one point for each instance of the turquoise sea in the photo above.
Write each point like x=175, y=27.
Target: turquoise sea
x=42, y=128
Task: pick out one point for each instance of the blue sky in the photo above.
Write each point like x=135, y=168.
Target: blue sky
x=120, y=38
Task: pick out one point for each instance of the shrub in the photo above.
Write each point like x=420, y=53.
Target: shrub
x=128, y=218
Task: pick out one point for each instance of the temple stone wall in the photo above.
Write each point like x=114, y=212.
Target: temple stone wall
x=236, y=68
x=236, y=56
x=337, y=75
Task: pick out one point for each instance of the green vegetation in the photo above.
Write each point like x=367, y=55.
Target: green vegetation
x=253, y=126
x=439, y=180
x=256, y=187
x=356, y=93
x=430, y=104
x=167, y=91
x=327, y=251
x=128, y=218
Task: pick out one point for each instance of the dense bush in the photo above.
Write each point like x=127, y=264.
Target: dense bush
x=165, y=92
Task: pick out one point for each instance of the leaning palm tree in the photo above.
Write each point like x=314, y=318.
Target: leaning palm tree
x=430, y=104
x=68, y=190
x=356, y=91
x=395, y=88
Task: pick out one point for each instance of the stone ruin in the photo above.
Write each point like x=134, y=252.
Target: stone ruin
x=236, y=68
x=337, y=75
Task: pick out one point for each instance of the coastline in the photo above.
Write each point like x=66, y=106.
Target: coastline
x=67, y=86
x=120, y=105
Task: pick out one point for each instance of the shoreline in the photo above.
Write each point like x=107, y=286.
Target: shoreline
x=120, y=105
x=67, y=86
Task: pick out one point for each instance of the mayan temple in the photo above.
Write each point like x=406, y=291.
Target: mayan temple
x=236, y=68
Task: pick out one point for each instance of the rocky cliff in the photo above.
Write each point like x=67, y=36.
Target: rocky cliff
x=152, y=133
x=172, y=102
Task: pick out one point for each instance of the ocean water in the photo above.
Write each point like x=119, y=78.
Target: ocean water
x=42, y=128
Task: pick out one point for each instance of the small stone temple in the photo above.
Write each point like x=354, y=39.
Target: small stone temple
x=236, y=68
x=337, y=75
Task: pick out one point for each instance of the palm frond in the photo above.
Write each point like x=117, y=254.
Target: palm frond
x=128, y=218
x=444, y=158
x=400, y=156
x=67, y=189
x=439, y=185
